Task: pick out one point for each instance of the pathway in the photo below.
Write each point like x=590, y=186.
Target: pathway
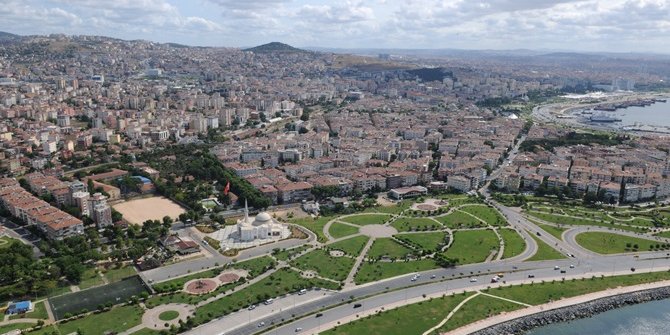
x=453, y=311
x=349, y=282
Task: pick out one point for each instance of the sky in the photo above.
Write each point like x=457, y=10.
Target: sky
x=576, y=25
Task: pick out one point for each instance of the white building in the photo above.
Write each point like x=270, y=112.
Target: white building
x=263, y=226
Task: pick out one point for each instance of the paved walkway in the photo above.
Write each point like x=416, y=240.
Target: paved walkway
x=349, y=282
x=453, y=311
x=151, y=318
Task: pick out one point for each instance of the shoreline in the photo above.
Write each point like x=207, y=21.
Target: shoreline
x=584, y=306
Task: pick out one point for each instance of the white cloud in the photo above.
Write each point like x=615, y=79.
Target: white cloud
x=622, y=25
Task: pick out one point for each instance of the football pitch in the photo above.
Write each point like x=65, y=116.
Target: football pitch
x=93, y=298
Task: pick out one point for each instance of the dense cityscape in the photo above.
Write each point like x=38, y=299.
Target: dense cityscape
x=160, y=188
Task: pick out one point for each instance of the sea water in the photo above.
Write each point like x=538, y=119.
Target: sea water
x=651, y=318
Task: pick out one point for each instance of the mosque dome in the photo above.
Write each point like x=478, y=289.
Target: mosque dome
x=262, y=218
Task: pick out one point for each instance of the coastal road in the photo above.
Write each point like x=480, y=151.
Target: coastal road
x=402, y=289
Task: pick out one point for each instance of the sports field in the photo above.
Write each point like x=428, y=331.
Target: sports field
x=92, y=298
x=155, y=208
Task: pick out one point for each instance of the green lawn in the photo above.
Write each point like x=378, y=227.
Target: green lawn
x=664, y=234
x=544, y=252
x=415, y=224
x=168, y=315
x=486, y=213
x=367, y=219
x=281, y=282
x=375, y=271
x=514, y=243
x=608, y=243
x=544, y=292
x=286, y=254
x=480, y=307
x=115, y=274
x=581, y=221
x=116, y=320
x=472, y=246
x=429, y=242
x=389, y=248
x=351, y=246
x=90, y=278
x=553, y=230
x=14, y=326
x=458, y=219
x=5, y=241
x=336, y=268
x=39, y=312
x=315, y=225
x=406, y=320
x=338, y=230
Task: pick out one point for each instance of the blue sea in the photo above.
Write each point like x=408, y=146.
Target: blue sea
x=651, y=318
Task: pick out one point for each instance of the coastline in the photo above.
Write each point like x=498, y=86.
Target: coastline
x=524, y=320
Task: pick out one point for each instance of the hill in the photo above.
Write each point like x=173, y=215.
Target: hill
x=275, y=47
x=4, y=36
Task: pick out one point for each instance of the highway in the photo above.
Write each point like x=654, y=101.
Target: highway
x=400, y=289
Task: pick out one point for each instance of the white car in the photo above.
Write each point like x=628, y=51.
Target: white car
x=473, y=280
x=252, y=307
x=572, y=266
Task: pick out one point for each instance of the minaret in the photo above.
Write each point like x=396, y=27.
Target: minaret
x=246, y=211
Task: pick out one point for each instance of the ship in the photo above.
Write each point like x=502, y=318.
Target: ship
x=603, y=118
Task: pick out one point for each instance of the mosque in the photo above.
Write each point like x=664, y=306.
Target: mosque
x=251, y=232
x=262, y=227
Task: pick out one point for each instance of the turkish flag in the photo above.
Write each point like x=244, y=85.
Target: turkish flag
x=226, y=189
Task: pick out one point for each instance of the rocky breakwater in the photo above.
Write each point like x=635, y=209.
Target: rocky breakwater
x=579, y=311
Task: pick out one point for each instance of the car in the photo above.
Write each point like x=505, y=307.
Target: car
x=318, y=315
x=562, y=271
x=433, y=277
x=413, y=279
x=556, y=267
x=252, y=307
x=538, y=233
x=531, y=276
x=301, y=292
x=298, y=329
x=632, y=269
x=357, y=305
x=261, y=324
x=473, y=280
x=269, y=301
x=572, y=266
